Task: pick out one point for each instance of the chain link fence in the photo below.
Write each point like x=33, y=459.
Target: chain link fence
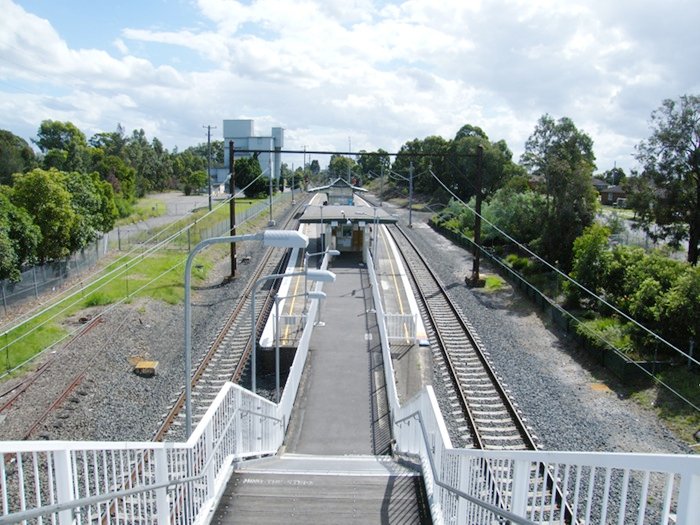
x=180, y=235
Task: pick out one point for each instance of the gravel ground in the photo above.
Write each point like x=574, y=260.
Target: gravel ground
x=111, y=402
x=569, y=401
x=562, y=394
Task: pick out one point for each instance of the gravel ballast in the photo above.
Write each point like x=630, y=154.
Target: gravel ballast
x=562, y=395
x=566, y=399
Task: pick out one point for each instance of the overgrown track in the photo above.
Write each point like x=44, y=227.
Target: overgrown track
x=490, y=416
x=229, y=352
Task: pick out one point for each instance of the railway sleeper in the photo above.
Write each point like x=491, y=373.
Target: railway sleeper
x=500, y=430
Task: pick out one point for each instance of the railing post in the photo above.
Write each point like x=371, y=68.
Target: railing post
x=211, y=469
x=521, y=487
x=465, y=476
x=162, y=503
x=64, y=484
x=688, y=509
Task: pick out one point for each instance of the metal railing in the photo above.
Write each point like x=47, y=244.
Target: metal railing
x=598, y=487
x=86, y=482
x=401, y=327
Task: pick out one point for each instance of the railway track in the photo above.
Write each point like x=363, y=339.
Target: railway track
x=490, y=419
x=485, y=416
x=228, y=353
x=18, y=391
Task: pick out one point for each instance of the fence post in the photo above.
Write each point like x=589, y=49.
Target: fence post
x=211, y=470
x=162, y=503
x=521, y=487
x=36, y=289
x=64, y=484
x=4, y=300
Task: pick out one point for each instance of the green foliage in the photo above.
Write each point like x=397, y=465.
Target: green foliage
x=679, y=308
x=493, y=283
x=42, y=194
x=194, y=182
x=98, y=299
x=341, y=167
x=93, y=202
x=591, y=261
x=562, y=156
x=19, y=237
x=249, y=177
x=16, y=156
x=666, y=195
x=55, y=135
x=602, y=332
x=373, y=165
x=520, y=215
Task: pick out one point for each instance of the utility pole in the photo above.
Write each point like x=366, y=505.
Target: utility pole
x=232, y=208
x=209, y=128
x=381, y=186
x=410, y=195
x=475, y=281
x=293, y=183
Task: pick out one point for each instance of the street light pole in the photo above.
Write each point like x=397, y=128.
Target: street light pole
x=277, y=238
x=306, y=267
x=311, y=295
x=313, y=275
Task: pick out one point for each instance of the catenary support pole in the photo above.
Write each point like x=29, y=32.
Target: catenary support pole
x=232, y=207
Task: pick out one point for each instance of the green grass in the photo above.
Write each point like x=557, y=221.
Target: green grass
x=167, y=265
x=623, y=213
x=145, y=208
x=683, y=419
x=494, y=283
x=47, y=328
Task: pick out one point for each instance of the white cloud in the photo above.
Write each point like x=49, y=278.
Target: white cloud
x=383, y=72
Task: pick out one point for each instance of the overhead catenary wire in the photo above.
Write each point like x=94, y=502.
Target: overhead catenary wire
x=592, y=294
x=115, y=273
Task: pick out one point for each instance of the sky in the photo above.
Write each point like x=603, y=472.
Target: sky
x=339, y=74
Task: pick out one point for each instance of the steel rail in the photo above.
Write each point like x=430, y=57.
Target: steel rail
x=266, y=265
x=528, y=441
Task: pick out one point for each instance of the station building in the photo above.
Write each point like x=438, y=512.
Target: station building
x=341, y=224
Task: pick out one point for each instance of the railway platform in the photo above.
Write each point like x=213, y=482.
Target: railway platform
x=339, y=439
x=356, y=437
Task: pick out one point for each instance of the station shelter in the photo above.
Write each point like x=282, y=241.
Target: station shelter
x=343, y=225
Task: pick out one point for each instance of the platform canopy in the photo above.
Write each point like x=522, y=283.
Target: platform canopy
x=343, y=214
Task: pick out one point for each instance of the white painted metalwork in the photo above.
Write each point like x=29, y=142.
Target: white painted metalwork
x=177, y=483
x=473, y=486
x=401, y=327
x=69, y=482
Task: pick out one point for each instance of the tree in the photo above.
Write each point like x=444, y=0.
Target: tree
x=562, y=156
x=93, y=203
x=19, y=237
x=47, y=201
x=614, y=177
x=470, y=131
x=427, y=157
x=53, y=134
x=120, y=176
x=341, y=167
x=315, y=167
x=16, y=156
x=112, y=143
x=373, y=163
x=591, y=261
x=249, y=177
x=194, y=182
x=671, y=161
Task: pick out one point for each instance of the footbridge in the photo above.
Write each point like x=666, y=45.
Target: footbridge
x=356, y=435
